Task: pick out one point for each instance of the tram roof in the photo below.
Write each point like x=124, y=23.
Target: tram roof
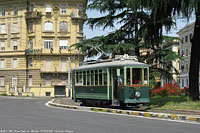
x=118, y=63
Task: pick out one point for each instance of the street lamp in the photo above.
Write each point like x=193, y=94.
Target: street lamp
x=69, y=72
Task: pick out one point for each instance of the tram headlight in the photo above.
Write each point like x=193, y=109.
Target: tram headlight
x=137, y=94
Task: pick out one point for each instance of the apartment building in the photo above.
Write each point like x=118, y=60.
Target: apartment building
x=185, y=34
x=35, y=39
x=173, y=46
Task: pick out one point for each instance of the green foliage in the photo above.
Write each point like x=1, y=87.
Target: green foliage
x=3, y=94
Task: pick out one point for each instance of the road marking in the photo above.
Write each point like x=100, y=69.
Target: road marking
x=137, y=116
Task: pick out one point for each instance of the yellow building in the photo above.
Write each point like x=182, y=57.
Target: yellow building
x=35, y=36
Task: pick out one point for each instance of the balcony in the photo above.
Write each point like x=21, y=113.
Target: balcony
x=33, y=15
x=78, y=16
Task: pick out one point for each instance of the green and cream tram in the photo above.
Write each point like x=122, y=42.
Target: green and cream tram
x=119, y=82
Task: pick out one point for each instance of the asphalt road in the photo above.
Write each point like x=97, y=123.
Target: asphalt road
x=31, y=115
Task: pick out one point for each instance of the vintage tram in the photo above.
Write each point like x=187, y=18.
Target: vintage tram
x=120, y=81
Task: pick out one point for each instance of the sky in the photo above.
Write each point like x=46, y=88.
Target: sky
x=99, y=31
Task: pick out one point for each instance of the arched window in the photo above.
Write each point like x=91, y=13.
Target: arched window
x=63, y=27
x=48, y=26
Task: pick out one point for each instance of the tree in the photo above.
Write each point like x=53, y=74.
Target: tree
x=138, y=30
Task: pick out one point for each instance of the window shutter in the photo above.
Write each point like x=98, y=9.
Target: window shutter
x=48, y=26
x=3, y=28
x=30, y=81
x=14, y=42
x=14, y=81
x=15, y=27
x=48, y=8
x=64, y=43
x=14, y=63
x=2, y=81
x=2, y=63
x=48, y=65
x=63, y=65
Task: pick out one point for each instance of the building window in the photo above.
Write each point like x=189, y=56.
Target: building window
x=48, y=80
x=30, y=62
x=182, y=82
x=80, y=10
x=31, y=43
x=15, y=11
x=2, y=64
x=14, y=81
x=48, y=9
x=15, y=63
x=63, y=27
x=2, y=81
x=190, y=36
x=30, y=80
x=187, y=67
x=3, y=28
x=31, y=7
x=63, y=44
x=15, y=45
x=2, y=45
x=15, y=27
x=182, y=40
x=48, y=65
x=187, y=82
x=63, y=77
x=63, y=65
x=3, y=12
x=186, y=52
x=63, y=9
x=186, y=38
x=80, y=27
x=48, y=44
x=182, y=52
x=30, y=27
x=48, y=26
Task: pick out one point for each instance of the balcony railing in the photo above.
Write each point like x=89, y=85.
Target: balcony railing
x=33, y=15
x=78, y=15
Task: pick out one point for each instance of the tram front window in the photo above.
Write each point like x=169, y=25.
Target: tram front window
x=145, y=76
x=121, y=78
x=137, y=75
x=128, y=74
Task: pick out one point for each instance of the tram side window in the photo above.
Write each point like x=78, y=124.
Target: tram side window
x=77, y=76
x=128, y=74
x=88, y=77
x=96, y=77
x=84, y=78
x=92, y=77
x=100, y=77
x=105, y=78
x=121, y=78
x=137, y=75
x=80, y=77
x=145, y=76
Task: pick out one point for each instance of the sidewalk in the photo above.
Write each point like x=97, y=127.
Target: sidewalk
x=181, y=115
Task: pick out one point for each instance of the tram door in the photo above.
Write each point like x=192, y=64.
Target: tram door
x=115, y=83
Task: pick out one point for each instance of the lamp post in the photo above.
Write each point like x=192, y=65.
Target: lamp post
x=69, y=72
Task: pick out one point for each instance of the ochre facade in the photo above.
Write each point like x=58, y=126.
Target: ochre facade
x=35, y=40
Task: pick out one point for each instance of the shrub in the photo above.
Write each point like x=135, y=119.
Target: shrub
x=167, y=90
x=3, y=94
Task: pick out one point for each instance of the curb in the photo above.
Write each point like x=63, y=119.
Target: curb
x=186, y=118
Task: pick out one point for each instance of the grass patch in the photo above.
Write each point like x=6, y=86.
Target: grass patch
x=173, y=103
